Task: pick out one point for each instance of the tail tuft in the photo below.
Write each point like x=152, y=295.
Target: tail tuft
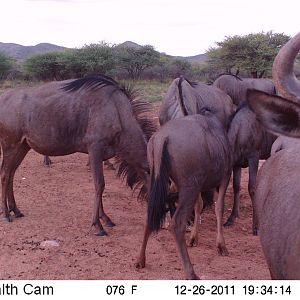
x=159, y=193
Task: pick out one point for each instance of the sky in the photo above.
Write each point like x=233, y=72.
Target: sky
x=175, y=27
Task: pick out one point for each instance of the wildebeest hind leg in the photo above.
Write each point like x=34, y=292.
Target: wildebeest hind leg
x=142, y=257
x=253, y=167
x=186, y=202
x=193, y=241
x=219, y=210
x=236, y=198
x=12, y=158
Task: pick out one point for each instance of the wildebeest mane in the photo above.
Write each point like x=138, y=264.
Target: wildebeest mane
x=91, y=82
x=139, y=107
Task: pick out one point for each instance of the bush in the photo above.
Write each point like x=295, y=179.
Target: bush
x=6, y=65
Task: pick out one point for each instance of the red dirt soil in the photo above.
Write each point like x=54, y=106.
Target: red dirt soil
x=57, y=203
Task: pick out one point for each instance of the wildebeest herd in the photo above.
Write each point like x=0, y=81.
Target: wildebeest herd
x=206, y=133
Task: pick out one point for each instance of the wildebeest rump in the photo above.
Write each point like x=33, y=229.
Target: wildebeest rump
x=197, y=96
x=278, y=189
x=93, y=115
x=194, y=152
x=237, y=87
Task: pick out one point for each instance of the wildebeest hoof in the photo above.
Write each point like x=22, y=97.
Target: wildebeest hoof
x=192, y=243
x=140, y=264
x=222, y=250
x=47, y=161
x=193, y=277
x=19, y=215
x=228, y=223
x=110, y=224
x=102, y=233
x=8, y=218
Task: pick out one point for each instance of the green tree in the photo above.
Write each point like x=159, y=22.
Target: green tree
x=44, y=66
x=253, y=53
x=96, y=58
x=91, y=59
x=6, y=65
x=136, y=60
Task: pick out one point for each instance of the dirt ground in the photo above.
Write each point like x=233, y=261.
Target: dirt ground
x=57, y=203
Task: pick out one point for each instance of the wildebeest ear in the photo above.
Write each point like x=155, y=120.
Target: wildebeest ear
x=277, y=114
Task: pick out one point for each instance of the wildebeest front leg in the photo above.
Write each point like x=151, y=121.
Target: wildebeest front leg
x=194, y=236
x=186, y=203
x=219, y=210
x=11, y=200
x=236, y=198
x=47, y=161
x=97, y=172
x=12, y=158
x=253, y=167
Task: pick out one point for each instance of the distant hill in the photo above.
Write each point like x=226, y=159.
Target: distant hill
x=22, y=52
x=129, y=44
x=192, y=59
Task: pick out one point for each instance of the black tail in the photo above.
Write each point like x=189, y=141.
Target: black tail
x=181, y=101
x=159, y=193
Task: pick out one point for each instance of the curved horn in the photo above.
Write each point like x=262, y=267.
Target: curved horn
x=283, y=74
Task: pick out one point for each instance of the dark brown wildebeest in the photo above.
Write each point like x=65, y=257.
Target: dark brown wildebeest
x=237, y=87
x=194, y=152
x=248, y=139
x=249, y=142
x=187, y=98
x=278, y=188
x=91, y=115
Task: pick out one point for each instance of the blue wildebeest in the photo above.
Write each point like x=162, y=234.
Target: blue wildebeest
x=236, y=87
x=250, y=142
x=93, y=115
x=194, y=152
x=187, y=98
x=278, y=189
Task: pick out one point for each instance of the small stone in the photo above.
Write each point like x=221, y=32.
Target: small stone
x=49, y=243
